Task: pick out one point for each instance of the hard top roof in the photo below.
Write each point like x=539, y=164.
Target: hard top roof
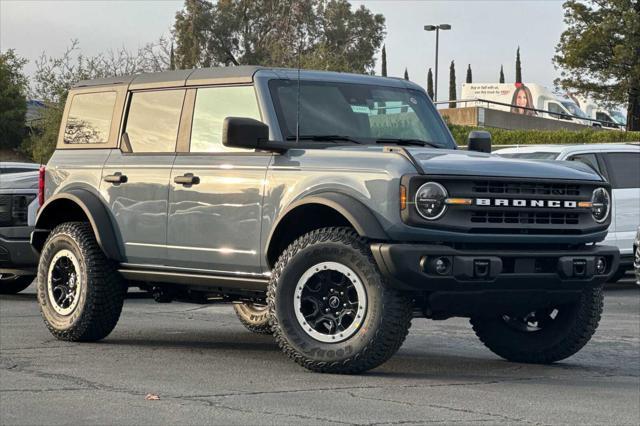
x=231, y=75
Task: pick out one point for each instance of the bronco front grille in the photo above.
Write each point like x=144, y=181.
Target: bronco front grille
x=524, y=218
x=524, y=188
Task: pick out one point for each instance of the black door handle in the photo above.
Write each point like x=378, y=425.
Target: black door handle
x=115, y=178
x=187, y=179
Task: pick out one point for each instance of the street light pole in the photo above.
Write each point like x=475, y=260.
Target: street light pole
x=437, y=29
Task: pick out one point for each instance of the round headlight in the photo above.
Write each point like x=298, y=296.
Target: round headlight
x=600, y=204
x=430, y=200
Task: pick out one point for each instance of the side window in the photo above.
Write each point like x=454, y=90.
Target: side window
x=213, y=105
x=153, y=120
x=557, y=111
x=588, y=159
x=624, y=169
x=89, y=120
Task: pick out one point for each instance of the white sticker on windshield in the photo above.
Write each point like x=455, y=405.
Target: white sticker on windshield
x=413, y=100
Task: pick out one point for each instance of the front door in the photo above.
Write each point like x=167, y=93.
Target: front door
x=135, y=178
x=215, y=199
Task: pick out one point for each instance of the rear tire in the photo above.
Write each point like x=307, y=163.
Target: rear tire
x=80, y=292
x=255, y=318
x=15, y=284
x=330, y=308
x=541, y=337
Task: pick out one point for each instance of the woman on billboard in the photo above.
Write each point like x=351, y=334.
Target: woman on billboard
x=522, y=99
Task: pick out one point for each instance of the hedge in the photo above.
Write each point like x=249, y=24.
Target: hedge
x=530, y=137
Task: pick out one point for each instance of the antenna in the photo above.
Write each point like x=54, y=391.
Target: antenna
x=298, y=88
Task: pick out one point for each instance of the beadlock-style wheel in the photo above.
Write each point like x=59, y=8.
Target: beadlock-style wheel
x=330, y=302
x=63, y=282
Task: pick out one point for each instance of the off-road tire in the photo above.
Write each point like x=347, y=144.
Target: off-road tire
x=101, y=296
x=254, y=318
x=385, y=324
x=547, y=345
x=15, y=285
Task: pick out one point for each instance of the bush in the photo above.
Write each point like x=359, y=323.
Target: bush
x=531, y=137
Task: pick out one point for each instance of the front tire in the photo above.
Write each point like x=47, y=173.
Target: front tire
x=15, y=284
x=253, y=317
x=80, y=292
x=544, y=336
x=329, y=306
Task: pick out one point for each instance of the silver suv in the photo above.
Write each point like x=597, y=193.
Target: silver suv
x=330, y=208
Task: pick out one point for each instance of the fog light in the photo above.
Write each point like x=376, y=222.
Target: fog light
x=601, y=265
x=442, y=265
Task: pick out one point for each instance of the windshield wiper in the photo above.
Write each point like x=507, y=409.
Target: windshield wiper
x=400, y=141
x=325, y=138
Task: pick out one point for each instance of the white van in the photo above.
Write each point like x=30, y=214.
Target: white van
x=521, y=98
x=610, y=119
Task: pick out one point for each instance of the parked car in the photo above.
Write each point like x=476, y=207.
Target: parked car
x=331, y=207
x=18, y=207
x=636, y=256
x=618, y=163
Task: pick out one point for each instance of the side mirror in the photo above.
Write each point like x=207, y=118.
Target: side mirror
x=479, y=141
x=242, y=132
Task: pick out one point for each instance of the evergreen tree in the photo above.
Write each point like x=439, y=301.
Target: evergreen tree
x=518, y=67
x=384, y=61
x=501, y=74
x=469, y=75
x=172, y=59
x=452, y=85
x=406, y=74
x=13, y=100
x=430, y=84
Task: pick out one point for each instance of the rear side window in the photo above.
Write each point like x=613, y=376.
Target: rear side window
x=153, y=120
x=212, y=106
x=624, y=169
x=588, y=159
x=89, y=120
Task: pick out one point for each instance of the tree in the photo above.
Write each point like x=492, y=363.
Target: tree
x=501, y=74
x=406, y=74
x=452, y=85
x=599, y=53
x=518, y=67
x=384, y=61
x=321, y=34
x=469, y=75
x=13, y=99
x=430, y=84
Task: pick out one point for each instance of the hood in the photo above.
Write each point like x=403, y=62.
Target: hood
x=458, y=162
x=25, y=180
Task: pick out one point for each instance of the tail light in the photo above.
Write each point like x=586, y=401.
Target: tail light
x=41, y=185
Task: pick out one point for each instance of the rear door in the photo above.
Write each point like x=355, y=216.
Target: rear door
x=216, y=192
x=623, y=169
x=135, y=179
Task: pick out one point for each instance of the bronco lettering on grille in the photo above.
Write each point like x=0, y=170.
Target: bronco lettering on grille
x=509, y=202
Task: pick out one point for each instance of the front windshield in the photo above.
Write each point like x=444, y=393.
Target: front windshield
x=573, y=109
x=619, y=117
x=530, y=155
x=360, y=112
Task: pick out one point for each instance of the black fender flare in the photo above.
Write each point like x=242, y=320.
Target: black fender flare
x=95, y=211
x=359, y=215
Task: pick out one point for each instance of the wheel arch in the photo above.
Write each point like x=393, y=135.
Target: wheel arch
x=83, y=206
x=319, y=211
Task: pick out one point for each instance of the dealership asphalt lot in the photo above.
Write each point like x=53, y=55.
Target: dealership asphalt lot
x=207, y=369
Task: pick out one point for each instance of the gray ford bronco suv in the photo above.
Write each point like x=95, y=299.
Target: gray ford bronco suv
x=330, y=208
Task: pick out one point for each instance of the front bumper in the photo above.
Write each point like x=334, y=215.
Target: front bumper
x=16, y=253
x=413, y=267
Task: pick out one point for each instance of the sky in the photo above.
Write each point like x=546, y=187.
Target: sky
x=484, y=34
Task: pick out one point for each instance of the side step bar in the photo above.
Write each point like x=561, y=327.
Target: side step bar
x=203, y=280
